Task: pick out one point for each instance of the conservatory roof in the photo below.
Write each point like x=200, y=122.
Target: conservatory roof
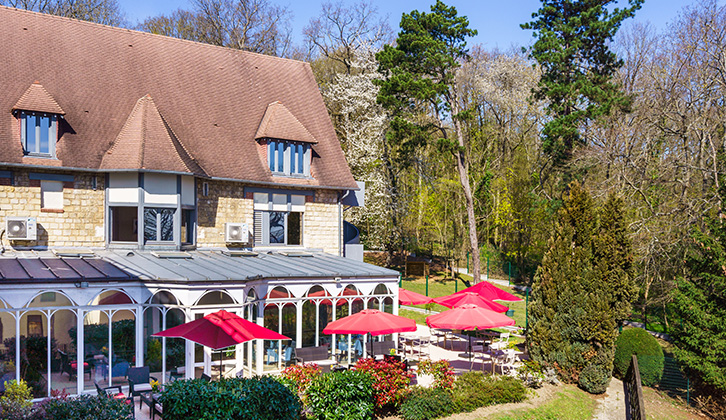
x=180, y=267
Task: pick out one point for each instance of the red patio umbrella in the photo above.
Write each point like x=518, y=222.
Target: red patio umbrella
x=370, y=321
x=407, y=297
x=491, y=292
x=460, y=299
x=220, y=330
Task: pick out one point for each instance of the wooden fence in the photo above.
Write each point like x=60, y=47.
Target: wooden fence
x=634, y=403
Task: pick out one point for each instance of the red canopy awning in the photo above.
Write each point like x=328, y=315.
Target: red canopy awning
x=370, y=321
x=460, y=299
x=468, y=317
x=220, y=330
x=491, y=292
x=407, y=297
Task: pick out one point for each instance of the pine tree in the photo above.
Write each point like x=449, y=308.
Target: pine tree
x=582, y=291
x=578, y=67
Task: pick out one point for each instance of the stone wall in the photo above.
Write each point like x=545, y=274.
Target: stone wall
x=78, y=224
x=226, y=203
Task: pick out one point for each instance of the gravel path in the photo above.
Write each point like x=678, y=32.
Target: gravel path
x=611, y=405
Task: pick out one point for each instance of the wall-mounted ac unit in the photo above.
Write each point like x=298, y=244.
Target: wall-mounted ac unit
x=21, y=228
x=236, y=232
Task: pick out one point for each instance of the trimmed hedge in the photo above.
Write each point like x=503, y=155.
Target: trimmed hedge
x=346, y=395
x=427, y=404
x=650, y=355
x=85, y=407
x=476, y=389
x=258, y=398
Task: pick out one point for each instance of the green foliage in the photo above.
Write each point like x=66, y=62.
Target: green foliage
x=123, y=331
x=650, y=355
x=258, y=398
x=700, y=305
x=346, y=395
x=582, y=291
x=86, y=407
x=476, y=389
x=15, y=402
x=441, y=371
x=427, y=404
x=572, y=48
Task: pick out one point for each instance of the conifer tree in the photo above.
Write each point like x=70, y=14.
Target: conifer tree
x=582, y=291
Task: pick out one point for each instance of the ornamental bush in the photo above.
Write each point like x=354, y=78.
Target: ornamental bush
x=86, y=407
x=258, y=398
x=440, y=370
x=299, y=377
x=650, y=355
x=427, y=404
x=476, y=389
x=391, y=379
x=16, y=400
x=346, y=395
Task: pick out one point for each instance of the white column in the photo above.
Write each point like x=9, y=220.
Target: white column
x=140, y=336
x=298, y=323
x=260, y=343
x=80, y=351
x=189, y=350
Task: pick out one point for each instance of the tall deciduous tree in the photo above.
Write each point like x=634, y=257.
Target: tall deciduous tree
x=582, y=291
x=578, y=67
x=106, y=12
x=420, y=78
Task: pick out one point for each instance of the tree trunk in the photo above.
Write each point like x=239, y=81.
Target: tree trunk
x=463, y=167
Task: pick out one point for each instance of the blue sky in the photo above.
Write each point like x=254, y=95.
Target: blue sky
x=496, y=20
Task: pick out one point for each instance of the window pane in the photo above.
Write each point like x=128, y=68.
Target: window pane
x=166, y=224
x=44, y=123
x=187, y=227
x=293, y=158
x=30, y=137
x=277, y=227
x=124, y=224
x=149, y=224
x=271, y=155
x=280, y=157
x=261, y=198
x=294, y=228
x=300, y=157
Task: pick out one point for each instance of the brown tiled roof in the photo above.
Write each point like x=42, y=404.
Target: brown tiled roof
x=147, y=142
x=36, y=98
x=211, y=99
x=279, y=123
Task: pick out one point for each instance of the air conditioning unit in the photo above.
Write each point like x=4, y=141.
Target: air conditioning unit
x=236, y=232
x=21, y=228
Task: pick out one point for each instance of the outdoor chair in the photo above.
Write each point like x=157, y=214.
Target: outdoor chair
x=118, y=395
x=509, y=361
x=139, y=381
x=205, y=377
x=501, y=343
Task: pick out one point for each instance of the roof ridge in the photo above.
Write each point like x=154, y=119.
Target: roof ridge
x=174, y=139
x=31, y=89
x=144, y=33
x=123, y=129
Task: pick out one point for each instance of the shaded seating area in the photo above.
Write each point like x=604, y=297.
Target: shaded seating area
x=139, y=381
x=319, y=355
x=380, y=348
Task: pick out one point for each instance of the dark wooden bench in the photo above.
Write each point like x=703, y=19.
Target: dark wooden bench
x=318, y=355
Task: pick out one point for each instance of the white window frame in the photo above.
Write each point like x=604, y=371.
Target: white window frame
x=52, y=134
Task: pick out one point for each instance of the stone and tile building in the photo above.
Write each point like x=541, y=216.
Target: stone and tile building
x=146, y=181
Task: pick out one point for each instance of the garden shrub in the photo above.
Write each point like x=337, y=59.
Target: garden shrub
x=16, y=401
x=299, y=377
x=650, y=355
x=441, y=371
x=346, y=395
x=86, y=407
x=476, y=389
x=391, y=379
x=427, y=403
x=258, y=398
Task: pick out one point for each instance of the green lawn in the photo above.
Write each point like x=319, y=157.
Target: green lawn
x=440, y=286
x=569, y=403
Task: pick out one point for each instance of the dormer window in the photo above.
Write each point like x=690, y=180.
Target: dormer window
x=39, y=133
x=288, y=158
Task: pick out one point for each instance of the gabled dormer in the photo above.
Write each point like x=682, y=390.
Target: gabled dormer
x=289, y=143
x=38, y=113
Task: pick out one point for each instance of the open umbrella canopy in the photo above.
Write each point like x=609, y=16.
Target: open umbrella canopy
x=220, y=330
x=370, y=321
x=460, y=299
x=491, y=292
x=407, y=297
x=468, y=317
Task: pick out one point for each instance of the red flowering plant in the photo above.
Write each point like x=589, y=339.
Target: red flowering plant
x=440, y=370
x=391, y=380
x=300, y=376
